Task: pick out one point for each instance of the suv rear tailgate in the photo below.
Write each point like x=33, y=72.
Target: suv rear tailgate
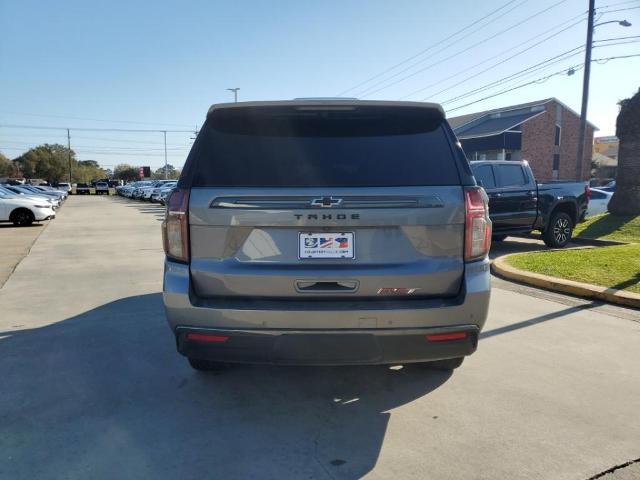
x=325, y=201
x=406, y=238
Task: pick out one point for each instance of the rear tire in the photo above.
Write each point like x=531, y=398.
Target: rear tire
x=559, y=231
x=445, y=365
x=22, y=217
x=207, y=365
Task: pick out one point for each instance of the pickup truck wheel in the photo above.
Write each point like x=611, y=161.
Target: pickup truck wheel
x=207, y=365
x=448, y=364
x=22, y=217
x=559, y=231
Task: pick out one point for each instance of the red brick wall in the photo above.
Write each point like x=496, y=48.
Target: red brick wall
x=538, y=147
x=537, y=143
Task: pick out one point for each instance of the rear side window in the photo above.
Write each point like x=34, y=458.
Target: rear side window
x=314, y=146
x=597, y=195
x=511, y=176
x=484, y=174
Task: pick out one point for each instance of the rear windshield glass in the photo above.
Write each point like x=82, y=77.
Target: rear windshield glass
x=293, y=147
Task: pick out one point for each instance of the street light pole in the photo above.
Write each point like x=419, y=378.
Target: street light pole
x=585, y=82
x=235, y=93
x=166, y=175
x=585, y=91
x=69, y=154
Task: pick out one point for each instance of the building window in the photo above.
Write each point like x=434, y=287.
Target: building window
x=556, y=166
x=558, y=134
x=508, y=156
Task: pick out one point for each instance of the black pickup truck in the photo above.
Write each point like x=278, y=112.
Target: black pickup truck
x=518, y=204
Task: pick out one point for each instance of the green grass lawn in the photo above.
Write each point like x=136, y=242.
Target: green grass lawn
x=614, y=267
x=608, y=227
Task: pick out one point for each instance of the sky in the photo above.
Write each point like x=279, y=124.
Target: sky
x=159, y=66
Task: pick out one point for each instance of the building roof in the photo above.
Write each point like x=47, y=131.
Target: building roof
x=488, y=125
x=603, y=160
x=499, y=120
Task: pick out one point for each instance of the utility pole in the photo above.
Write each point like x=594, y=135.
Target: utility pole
x=585, y=90
x=166, y=174
x=235, y=93
x=69, y=153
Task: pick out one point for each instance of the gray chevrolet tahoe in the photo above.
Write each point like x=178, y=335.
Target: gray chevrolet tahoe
x=326, y=232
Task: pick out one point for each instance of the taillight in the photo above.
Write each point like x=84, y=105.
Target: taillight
x=587, y=192
x=175, y=228
x=477, y=226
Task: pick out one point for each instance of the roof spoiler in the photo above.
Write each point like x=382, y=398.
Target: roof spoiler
x=329, y=103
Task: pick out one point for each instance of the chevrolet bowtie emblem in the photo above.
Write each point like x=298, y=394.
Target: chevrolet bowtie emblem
x=326, y=202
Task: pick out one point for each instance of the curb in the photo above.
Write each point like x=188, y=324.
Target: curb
x=500, y=267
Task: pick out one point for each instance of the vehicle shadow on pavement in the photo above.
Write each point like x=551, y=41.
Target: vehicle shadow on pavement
x=105, y=395
x=516, y=245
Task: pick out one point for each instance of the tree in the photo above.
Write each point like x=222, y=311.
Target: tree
x=89, y=163
x=626, y=199
x=47, y=161
x=7, y=167
x=126, y=172
x=171, y=171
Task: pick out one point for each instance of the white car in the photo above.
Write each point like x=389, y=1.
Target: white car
x=23, y=212
x=102, y=188
x=64, y=187
x=599, y=202
x=14, y=190
x=157, y=191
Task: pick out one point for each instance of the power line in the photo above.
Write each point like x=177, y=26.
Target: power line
x=502, y=32
x=367, y=90
x=527, y=71
x=426, y=49
x=93, y=119
x=85, y=129
x=502, y=53
x=619, y=3
x=542, y=79
x=107, y=147
x=618, y=10
x=105, y=139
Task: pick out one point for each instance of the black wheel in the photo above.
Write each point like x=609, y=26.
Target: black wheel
x=207, y=365
x=498, y=238
x=447, y=364
x=22, y=217
x=559, y=231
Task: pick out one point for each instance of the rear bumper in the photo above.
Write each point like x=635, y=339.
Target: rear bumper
x=325, y=347
x=280, y=331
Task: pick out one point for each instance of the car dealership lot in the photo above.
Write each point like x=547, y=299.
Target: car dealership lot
x=92, y=386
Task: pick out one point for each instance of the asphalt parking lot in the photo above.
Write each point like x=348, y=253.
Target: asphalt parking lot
x=92, y=386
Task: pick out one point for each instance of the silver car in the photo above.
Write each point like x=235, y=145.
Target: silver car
x=326, y=232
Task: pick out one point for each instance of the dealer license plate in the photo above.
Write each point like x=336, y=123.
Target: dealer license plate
x=326, y=245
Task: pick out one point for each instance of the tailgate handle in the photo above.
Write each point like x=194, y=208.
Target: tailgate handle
x=306, y=286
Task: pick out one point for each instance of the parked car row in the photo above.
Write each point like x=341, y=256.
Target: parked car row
x=154, y=191
x=24, y=204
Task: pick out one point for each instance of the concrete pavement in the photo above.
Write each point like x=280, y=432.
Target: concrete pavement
x=92, y=386
x=15, y=243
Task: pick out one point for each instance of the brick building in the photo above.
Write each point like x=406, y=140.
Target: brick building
x=545, y=133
